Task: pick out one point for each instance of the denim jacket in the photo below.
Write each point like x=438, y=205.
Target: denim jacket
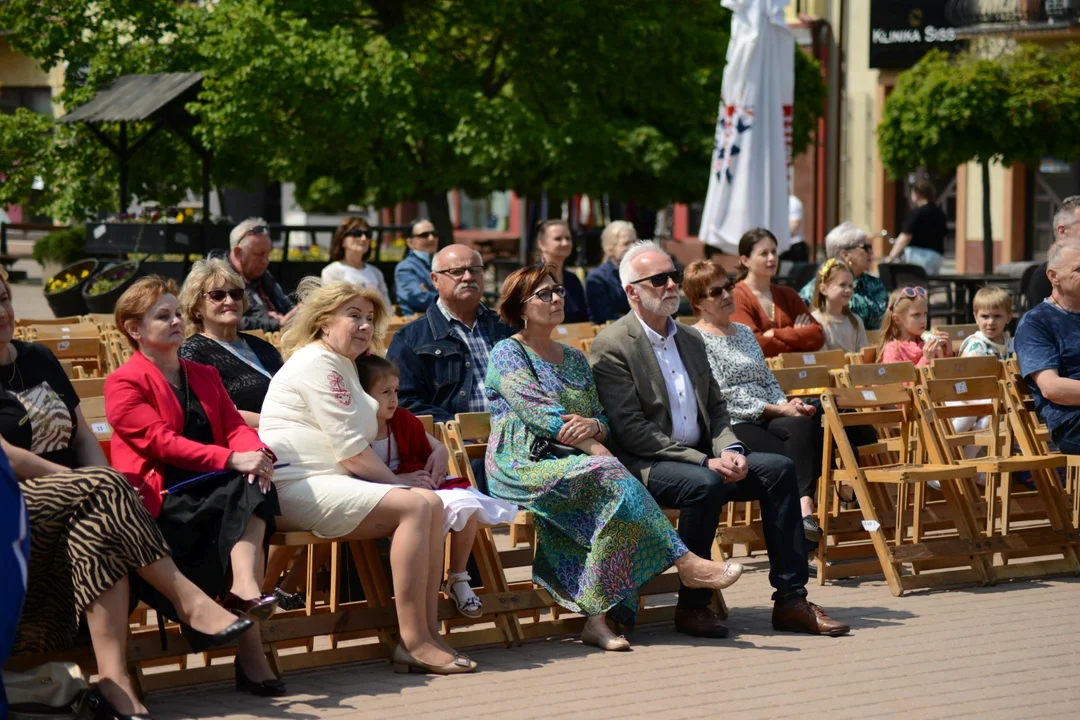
x=433, y=360
x=409, y=275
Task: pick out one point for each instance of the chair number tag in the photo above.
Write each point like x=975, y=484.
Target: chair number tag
x=809, y=359
x=959, y=333
x=100, y=427
x=803, y=374
x=871, y=525
x=63, y=345
x=869, y=395
x=881, y=371
x=65, y=329
x=961, y=387
x=563, y=331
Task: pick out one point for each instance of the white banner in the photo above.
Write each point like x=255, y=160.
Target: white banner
x=748, y=185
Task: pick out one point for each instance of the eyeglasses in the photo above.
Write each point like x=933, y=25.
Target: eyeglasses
x=548, y=294
x=459, y=272
x=219, y=295
x=257, y=230
x=715, y=292
x=427, y=234
x=867, y=247
x=359, y=232
x=659, y=280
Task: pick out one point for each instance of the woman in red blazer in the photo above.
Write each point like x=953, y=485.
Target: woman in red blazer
x=777, y=315
x=198, y=467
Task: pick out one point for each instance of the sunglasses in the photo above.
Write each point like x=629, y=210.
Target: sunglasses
x=459, y=272
x=659, y=280
x=359, y=232
x=257, y=230
x=866, y=247
x=548, y=294
x=426, y=235
x=219, y=295
x=909, y=292
x=715, y=292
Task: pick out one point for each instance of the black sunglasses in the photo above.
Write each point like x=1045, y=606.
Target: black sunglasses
x=428, y=234
x=257, y=230
x=548, y=294
x=659, y=280
x=219, y=295
x=715, y=292
x=359, y=232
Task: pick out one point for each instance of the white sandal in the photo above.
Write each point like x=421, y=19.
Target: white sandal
x=456, y=587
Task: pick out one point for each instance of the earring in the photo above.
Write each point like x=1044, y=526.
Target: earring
x=198, y=316
x=526, y=324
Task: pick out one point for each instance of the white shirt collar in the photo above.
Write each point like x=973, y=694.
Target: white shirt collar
x=656, y=338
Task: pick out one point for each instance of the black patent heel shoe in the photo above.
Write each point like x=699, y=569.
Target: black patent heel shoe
x=258, y=610
x=224, y=637
x=266, y=688
x=99, y=708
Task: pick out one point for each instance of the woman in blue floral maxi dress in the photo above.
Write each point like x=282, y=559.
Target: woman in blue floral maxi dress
x=600, y=536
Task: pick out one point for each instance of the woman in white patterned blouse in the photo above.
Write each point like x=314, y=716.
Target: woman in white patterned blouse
x=761, y=415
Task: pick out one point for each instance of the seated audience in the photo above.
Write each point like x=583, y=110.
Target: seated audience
x=762, y=417
x=852, y=246
x=249, y=254
x=831, y=307
x=443, y=356
x=776, y=314
x=554, y=246
x=1048, y=346
x=348, y=251
x=333, y=484
x=214, y=302
x=413, y=285
x=198, y=467
x=410, y=451
x=904, y=337
x=605, y=295
x=599, y=536
x=88, y=532
x=676, y=437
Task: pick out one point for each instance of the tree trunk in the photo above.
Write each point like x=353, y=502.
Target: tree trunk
x=438, y=207
x=988, y=230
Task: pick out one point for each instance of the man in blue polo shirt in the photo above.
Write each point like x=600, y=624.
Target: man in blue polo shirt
x=1048, y=346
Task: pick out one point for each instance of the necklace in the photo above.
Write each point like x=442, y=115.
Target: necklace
x=10, y=354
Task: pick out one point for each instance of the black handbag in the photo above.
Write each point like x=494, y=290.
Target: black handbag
x=546, y=448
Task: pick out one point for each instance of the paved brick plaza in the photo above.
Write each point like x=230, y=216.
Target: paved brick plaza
x=1009, y=651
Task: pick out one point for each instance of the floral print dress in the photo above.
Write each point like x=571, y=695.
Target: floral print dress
x=600, y=536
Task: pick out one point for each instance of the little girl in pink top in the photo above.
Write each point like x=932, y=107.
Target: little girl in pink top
x=904, y=336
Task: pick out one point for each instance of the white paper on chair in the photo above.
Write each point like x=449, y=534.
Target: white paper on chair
x=871, y=525
x=961, y=387
x=869, y=395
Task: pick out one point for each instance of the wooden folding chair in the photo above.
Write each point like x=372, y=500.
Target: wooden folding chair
x=936, y=405
x=68, y=320
x=826, y=358
x=864, y=357
x=799, y=382
x=893, y=405
x=83, y=352
x=93, y=409
x=74, y=330
x=877, y=374
x=87, y=388
x=958, y=333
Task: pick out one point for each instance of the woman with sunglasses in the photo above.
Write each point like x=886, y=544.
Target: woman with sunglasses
x=203, y=474
x=348, y=248
x=776, y=314
x=851, y=245
x=214, y=302
x=904, y=336
x=599, y=534
x=761, y=415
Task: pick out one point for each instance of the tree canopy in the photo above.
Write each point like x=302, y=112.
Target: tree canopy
x=379, y=101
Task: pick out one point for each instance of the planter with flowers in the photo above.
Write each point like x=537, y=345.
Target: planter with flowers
x=157, y=231
x=106, y=287
x=64, y=290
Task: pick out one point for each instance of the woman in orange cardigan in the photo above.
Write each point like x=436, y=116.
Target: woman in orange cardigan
x=199, y=469
x=777, y=315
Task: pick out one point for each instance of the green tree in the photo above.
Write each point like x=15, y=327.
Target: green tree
x=948, y=111
x=385, y=100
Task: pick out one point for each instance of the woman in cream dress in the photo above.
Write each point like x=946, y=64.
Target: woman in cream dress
x=320, y=422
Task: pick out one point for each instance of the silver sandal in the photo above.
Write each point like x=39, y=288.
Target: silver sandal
x=468, y=604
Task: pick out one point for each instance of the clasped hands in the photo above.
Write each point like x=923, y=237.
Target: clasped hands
x=434, y=473
x=730, y=465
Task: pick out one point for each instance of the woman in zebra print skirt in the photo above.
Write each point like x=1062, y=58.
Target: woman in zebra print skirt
x=88, y=529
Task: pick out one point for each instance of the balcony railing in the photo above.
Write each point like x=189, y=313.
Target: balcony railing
x=1003, y=15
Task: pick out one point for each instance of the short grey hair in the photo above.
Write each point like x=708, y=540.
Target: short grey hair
x=1053, y=256
x=611, y=233
x=436, y=262
x=627, y=274
x=845, y=236
x=243, y=229
x=1066, y=215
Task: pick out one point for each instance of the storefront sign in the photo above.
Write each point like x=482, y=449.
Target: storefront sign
x=902, y=31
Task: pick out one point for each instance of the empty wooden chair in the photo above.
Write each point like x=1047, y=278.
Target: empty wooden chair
x=87, y=388
x=69, y=320
x=83, y=352
x=826, y=358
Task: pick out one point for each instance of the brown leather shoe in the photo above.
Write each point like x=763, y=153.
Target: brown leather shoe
x=699, y=622
x=802, y=616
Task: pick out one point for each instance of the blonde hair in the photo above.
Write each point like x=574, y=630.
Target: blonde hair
x=610, y=237
x=202, y=274
x=992, y=297
x=825, y=275
x=890, y=328
x=318, y=302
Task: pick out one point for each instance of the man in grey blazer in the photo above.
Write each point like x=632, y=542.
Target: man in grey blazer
x=670, y=427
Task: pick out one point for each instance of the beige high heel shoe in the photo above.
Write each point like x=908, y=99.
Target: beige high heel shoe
x=406, y=663
x=732, y=572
